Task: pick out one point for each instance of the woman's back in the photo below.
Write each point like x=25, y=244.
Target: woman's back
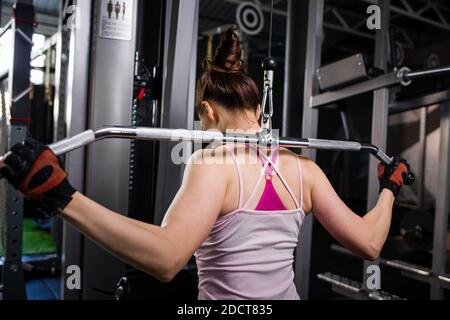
x=249, y=253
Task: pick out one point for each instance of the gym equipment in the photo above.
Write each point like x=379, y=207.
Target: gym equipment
x=382, y=107
x=355, y=288
x=3, y=186
x=177, y=135
x=403, y=76
x=21, y=27
x=269, y=65
x=417, y=229
x=407, y=269
x=342, y=72
x=136, y=285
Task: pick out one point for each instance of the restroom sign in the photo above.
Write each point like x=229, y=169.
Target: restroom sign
x=116, y=21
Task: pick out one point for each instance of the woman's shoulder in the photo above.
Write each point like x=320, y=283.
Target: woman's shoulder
x=304, y=161
x=214, y=156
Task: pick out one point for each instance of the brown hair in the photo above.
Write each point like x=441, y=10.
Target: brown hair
x=225, y=80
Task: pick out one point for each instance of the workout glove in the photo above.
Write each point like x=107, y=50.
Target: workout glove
x=34, y=169
x=393, y=176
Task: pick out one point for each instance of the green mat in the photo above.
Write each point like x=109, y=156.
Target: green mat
x=35, y=240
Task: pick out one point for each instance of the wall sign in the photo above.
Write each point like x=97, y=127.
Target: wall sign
x=116, y=21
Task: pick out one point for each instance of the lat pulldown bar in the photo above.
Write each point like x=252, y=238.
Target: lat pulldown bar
x=177, y=135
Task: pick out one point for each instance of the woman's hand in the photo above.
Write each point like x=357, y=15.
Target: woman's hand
x=394, y=175
x=34, y=169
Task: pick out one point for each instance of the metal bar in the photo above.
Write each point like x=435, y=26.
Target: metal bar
x=13, y=277
x=420, y=18
x=180, y=43
x=407, y=269
x=380, y=113
x=177, y=135
x=25, y=37
x=445, y=279
x=422, y=156
x=432, y=280
x=201, y=137
x=19, y=82
x=340, y=18
x=310, y=121
x=72, y=117
x=379, y=82
x=403, y=76
x=49, y=43
x=294, y=68
x=353, y=289
x=440, y=234
x=407, y=6
x=349, y=30
x=424, y=101
x=440, y=15
x=414, y=75
x=6, y=28
x=103, y=108
x=423, y=9
x=4, y=75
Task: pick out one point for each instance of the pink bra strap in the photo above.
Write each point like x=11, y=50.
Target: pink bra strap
x=270, y=164
x=286, y=185
x=255, y=188
x=266, y=160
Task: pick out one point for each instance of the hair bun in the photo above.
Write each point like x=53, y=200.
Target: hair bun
x=228, y=57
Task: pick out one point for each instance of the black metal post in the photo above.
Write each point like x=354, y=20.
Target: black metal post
x=19, y=88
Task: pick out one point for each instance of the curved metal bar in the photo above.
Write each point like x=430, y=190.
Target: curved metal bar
x=73, y=143
x=376, y=152
x=177, y=135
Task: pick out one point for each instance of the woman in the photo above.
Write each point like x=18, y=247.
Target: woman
x=239, y=210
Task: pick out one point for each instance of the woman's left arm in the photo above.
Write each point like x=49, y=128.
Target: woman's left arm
x=160, y=251
x=364, y=236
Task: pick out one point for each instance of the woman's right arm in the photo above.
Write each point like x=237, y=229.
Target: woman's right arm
x=364, y=236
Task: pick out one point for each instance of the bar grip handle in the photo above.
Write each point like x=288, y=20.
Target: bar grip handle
x=334, y=145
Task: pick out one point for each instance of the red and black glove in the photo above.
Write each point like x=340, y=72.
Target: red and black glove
x=393, y=176
x=34, y=169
